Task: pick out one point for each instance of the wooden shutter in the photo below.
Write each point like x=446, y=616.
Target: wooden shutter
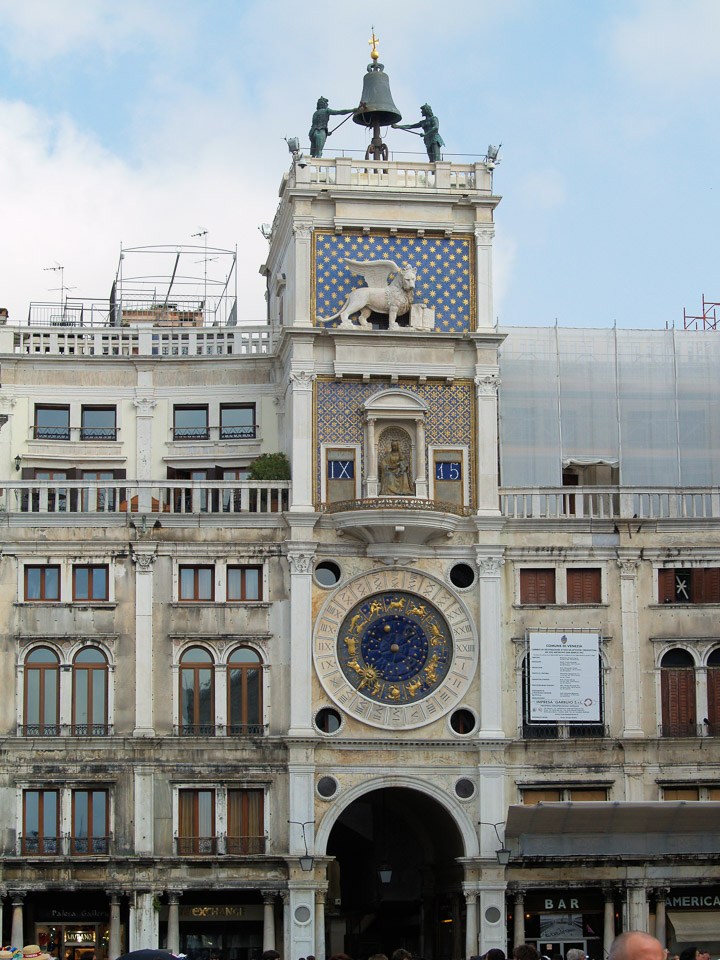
x=583, y=585
x=712, y=584
x=677, y=686
x=666, y=586
x=531, y=797
x=713, y=689
x=681, y=793
x=537, y=586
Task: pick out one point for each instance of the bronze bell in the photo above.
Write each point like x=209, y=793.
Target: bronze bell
x=376, y=103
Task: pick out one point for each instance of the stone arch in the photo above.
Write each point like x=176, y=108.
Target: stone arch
x=458, y=815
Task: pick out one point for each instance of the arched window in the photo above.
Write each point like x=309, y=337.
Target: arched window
x=197, y=694
x=677, y=685
x=713, y=689
x=90, y=689
x=244, y=686
x=42, y=694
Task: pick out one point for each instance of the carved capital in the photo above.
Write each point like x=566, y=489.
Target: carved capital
x=144, y=561
x=628, y=568
x=302, y=380
x=174, y=896
x=269, y=897
x=6, y=404
x=145, y=405
x=302, y=231
x=300, y=562
x=484, y=234
x=487, y=384
x=490, y=566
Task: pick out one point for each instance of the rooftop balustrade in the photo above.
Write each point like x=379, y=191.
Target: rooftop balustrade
x=397, y=174
x=610, y=503
x=166, y=497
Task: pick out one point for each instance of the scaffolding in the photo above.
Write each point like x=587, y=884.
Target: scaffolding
x=707, y=320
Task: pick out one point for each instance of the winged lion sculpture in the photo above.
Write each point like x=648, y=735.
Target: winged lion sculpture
x=379, y=296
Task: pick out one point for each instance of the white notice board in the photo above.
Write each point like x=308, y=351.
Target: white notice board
x=565, y=677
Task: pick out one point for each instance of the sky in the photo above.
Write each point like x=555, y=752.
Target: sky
x=148, y=121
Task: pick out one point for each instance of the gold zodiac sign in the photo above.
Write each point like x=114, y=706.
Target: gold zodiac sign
x=437, y=636
x=376, y=689
x=367, y=674
x=351, y=644
x=394, y=693
x=396, y=604
x=375, y=608
x=412, y=688
x=413, y=609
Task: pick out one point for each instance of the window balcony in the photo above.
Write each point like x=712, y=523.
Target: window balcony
x=683, y=729
x=563, y=731
x=90, y=846
x=84, y=730
x=219, y=730
x=212, y=433
x=220, y=846
x=396, y=519
x=34, y=846
x=196, y=846
x=75, y=434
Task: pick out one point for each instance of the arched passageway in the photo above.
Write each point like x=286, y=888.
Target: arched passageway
x=395, y=881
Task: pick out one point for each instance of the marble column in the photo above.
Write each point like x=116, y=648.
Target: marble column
x=173, y=929
x=144, y=556
x=371, y=467
x=301, y=386
x=302, y=231
x=660, y=916
x=487, y=382
x=608, y=920
x=519, y=918
x=489, y=566
x=637, y=906
x=301, y=557
x=143, y=921
x=632, y=691
x=144, y=405
x=268, y=920
x=421, y=480
x=484, y=234
x=114, y=944
x=17, y=934
x=471, y=924
x=320, y=899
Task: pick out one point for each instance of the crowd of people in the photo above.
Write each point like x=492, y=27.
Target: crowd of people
x=633, y=945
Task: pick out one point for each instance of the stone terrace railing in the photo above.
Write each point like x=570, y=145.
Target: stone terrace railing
x=610, y=503
x=164, y=497
x=137, y=341
x=344, y=171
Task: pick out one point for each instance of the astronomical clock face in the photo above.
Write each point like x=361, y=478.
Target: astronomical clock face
x=395, y=648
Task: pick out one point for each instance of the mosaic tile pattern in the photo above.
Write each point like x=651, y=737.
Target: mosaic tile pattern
x=444, y=267
x=339, y=418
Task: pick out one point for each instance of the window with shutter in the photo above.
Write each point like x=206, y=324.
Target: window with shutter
x=713, y=689
x=696, y=585
x=537, y=586
x=677, y=684
x=583, y=585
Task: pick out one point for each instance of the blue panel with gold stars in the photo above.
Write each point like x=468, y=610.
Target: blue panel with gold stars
x=445, y=275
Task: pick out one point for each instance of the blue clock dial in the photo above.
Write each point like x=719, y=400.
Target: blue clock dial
x=395, y=647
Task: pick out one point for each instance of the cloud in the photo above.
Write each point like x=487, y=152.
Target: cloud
x=71, y=201
x=541, y=190
x=36, y=31
x=669, y=46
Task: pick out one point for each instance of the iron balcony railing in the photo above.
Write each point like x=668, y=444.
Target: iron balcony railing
x=684, y=729
x=562, y=731
x=220, y=730
x=65, y=730
x=249, y=432
x=220, y=846
x=66, y=433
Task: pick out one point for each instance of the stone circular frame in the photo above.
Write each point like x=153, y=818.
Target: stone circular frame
x=442, y=607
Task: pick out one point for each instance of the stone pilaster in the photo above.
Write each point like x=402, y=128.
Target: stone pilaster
x=144, y=558
x=484, y=234
x=486, y=398
x=490, y=563
x=632, y=694
x=301, y=384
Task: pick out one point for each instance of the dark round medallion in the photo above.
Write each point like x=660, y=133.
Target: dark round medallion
x=396, y=646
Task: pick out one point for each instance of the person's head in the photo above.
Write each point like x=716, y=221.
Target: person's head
x=523, y=951
x=636, y=945
x=495, y=954
x=270, y=955
x=401, y=954
x=575, y=954
x=376, y=956
x=690, y=953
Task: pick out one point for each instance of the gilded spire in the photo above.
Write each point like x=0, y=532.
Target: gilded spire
x=373, y=43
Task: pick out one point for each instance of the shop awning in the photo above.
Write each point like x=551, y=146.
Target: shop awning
x=691, y=926
x=610, y=829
